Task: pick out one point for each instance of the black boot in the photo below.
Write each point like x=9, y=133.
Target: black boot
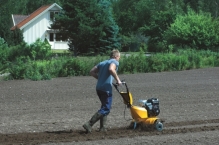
x=88, y=126
x=103, y=124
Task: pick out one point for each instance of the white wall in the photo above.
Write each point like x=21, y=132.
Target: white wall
x=38, y=29
x=59, y=45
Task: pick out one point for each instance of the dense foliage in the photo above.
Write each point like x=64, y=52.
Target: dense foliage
x=4, y=53
x=25, y=68
x=199, y=31
x=88, y=26
x=153, y=18
x=93, y=26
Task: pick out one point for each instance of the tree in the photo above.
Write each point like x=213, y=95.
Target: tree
x=86, y=25
x=146, y=18
x=198, y=31
x=163, y=15
x=132, y=14
x=4, y=53
x=5, y=22
x=31, y=6
x=17, y=37
x=110, y=39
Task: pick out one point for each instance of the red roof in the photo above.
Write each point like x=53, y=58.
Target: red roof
x=31, y=16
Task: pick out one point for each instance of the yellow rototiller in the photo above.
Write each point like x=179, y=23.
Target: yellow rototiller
x=144, y=115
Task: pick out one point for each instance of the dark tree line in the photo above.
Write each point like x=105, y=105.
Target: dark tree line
x=96, y=26
x=151, y=19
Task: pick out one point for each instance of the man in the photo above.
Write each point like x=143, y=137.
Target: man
x=104, y=72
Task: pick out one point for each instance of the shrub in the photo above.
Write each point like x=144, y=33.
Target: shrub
x=4, y=53
x=25, y=68
x=198, y=31
x=40, y=50
x=75, y=67
x=19, y=50
x=155, y=63
x=133, y=63
x=19, y=68
x=36, y=51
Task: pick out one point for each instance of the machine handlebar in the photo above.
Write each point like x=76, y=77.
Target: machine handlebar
x=123, y=83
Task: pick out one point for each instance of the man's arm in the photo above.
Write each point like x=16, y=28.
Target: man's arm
x=94, y=72
x=112, y=69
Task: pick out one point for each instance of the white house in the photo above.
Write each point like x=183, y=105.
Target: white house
x=36, y=25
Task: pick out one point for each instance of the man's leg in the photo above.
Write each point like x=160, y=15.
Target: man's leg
x=103, y=120
x=106, y=102
x=88, y=126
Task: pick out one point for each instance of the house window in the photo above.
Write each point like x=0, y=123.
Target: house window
x=51, y=37
x=58, y=37
x=55, y=37
x=52, y=15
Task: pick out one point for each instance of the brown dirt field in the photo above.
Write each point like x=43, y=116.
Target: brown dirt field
x=53, y=112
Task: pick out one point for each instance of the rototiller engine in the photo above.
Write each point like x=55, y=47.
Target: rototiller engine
x=144, y=115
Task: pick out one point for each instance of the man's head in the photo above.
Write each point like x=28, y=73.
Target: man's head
x=115, y=54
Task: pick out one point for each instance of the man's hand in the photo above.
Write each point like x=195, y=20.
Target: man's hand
x=119, y=82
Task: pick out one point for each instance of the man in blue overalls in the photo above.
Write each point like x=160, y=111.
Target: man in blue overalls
x=104, y=72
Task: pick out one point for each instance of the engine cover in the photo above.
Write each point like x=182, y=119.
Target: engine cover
x=152, y=106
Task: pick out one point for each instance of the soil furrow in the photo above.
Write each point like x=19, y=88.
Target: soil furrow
x=189, y=122
x=114, y=133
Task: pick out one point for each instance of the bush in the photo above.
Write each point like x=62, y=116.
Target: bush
x=134, y=43
x=198, y=31
x=76, y=67
x=35, y=51
x=200, y=59
x=40, y=50
x=19, y=68
x=19, y=50
x=25, y=68
x=133, y=63
x=4, y=53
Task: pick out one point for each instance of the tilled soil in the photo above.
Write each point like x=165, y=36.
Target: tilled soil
x=53, y=112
